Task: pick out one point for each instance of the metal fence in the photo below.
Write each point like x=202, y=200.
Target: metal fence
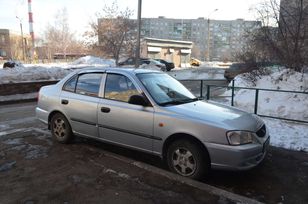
x=208, y=90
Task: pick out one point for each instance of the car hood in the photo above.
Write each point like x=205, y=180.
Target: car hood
x=217, y=114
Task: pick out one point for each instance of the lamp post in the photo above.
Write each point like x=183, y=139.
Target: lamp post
x=22, y=39
x=208, y=34
x=137, y=54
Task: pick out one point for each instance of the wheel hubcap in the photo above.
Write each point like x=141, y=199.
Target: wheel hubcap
x=183, y=161
x=59, y=127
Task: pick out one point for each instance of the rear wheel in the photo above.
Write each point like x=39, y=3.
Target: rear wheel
x=187, y=159
x=61, y=129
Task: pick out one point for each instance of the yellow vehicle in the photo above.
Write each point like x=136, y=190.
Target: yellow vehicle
x=195, y=62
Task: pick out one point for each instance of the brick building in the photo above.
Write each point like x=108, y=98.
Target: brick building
x=5, y=44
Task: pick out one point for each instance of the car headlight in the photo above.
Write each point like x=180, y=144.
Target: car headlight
x=240, y=137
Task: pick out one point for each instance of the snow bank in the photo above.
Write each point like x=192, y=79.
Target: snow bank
x=284, y=134
x=54, y=71
x=197, y=73
x=34, y=73
x=215, y=64
x=288, y=135
x=149, y=66
x=90, y=60
x=287, y=105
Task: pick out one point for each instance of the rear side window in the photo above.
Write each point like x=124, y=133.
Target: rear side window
x=70, y=84
x=89, y=84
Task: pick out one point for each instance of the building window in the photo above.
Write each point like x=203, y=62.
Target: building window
x=2, y=39
x=2, y=53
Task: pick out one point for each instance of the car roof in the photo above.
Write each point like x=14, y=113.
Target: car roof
x=116, y=69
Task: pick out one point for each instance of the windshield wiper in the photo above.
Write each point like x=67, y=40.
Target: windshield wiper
x=177, y=102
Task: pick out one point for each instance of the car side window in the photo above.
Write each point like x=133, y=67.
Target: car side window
x=70, y=85
x=89, y=84
x=119, y=87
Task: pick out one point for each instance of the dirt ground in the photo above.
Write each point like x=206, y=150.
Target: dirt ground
x=34, y=169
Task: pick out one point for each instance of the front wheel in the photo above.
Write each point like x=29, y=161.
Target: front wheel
x=187, y=159
x=61, y=129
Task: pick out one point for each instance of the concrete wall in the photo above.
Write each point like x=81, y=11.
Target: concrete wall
x=22, y=88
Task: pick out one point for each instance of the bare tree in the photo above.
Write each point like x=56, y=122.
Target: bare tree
x=283, y=38
x=59, y=38
x=115, y=32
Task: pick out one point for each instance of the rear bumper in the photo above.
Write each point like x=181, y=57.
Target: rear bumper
x=42, y=115
x=241, y=157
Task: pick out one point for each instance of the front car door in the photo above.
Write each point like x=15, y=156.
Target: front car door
x=120, y=122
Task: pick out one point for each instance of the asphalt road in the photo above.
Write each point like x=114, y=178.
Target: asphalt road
x=35, y=169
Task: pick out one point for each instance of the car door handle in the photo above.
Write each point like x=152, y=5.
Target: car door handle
x=64, y=101
x=105, y=109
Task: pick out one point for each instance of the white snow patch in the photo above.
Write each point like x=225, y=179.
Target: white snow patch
x=279, y=104
x=200, y=73
x=37, y=72
x=91, y=60
x=284, y=134
x=288, y=135
x=32, y=73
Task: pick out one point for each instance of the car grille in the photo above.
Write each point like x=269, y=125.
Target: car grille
x=262, y=131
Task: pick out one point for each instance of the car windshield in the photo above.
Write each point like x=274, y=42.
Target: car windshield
x=166, y=90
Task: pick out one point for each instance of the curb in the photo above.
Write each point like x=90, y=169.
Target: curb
x=18, y=101
x=193, y=183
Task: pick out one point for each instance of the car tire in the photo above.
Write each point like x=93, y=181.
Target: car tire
x=186, y=158
x=61, y=129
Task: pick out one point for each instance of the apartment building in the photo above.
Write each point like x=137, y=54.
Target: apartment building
x=224, y=38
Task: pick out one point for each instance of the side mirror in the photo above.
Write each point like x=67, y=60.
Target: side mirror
x=138, y=100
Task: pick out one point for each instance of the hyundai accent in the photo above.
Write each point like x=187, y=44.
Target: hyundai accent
x=152, y=112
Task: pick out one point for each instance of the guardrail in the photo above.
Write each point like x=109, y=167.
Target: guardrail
x=205, y=93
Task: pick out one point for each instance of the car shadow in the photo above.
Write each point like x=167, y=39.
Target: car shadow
x=122, y=151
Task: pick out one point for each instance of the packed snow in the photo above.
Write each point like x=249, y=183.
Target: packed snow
x=54, y=71
x=278, y=104
x=284, y=134
x=96, y=61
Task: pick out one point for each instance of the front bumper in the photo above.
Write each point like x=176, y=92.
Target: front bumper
x=240, y=157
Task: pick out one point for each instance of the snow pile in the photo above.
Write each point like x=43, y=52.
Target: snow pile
x=284, y=134
x=215, y=64
x=280, y=104
x=200, y=73
x=149, y=66
x=288, y=135
x=54, y=71
x=96, y=61
x=32, y=73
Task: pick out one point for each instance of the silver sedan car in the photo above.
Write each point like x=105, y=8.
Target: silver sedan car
x=152, y=112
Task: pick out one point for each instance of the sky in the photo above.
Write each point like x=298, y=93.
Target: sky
x=81, y=12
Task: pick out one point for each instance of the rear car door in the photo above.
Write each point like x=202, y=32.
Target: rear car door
x=80, y=98
x=123, y=123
